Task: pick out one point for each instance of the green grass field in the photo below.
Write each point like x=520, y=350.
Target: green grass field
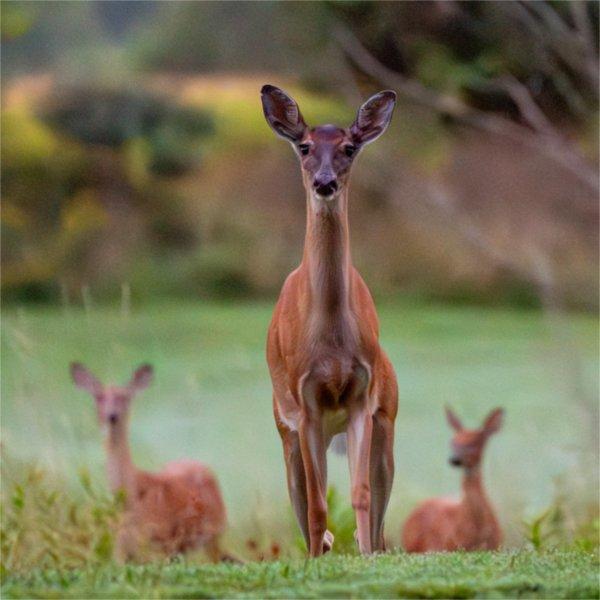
x=211, y=400
x=482, y=575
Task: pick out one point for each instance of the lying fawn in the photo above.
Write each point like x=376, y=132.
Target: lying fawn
x=175, y=510
x=329, y=373
x=443, y=524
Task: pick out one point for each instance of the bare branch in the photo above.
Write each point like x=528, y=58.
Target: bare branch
x=532, y=114
x=549, y=17
x=584, y=30
x=546, y=55
x=563, y=40
x=440, y=198
x=529, y=110
x=407, y=87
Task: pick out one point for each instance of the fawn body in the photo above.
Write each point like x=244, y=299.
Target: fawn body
x=328, y=370
x=446, y=524
x=176, y=510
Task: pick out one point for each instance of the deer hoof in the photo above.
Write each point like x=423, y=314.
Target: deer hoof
x=327, y=541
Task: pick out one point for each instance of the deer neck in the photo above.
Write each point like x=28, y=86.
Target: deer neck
x=327, y=256
x=119, y=466
x=474, y=500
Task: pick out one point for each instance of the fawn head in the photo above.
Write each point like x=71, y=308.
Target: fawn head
x=467, y=444
x=326, y=152
x=112, y=402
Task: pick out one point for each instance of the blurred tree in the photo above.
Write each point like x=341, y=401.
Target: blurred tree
x=39, y=35
x=469, y=48
x=289, y=38
x=524, y=70
x=172, y=134
x=76, y=182
x=17, y=19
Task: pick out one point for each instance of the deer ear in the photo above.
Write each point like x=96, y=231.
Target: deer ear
x=453, y=420
x=373, y=117
x=282, y=113
x=493, y=422
x=84, y=379
x=142, y=377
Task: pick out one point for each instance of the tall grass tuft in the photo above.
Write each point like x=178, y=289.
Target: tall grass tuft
x=559, y=526
x=47, y=524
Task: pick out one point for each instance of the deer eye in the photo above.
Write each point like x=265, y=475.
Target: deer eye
x=304, y=149
x=349, y=150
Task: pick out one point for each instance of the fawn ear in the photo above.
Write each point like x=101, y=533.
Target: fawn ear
x=142, y=377
x=282, y=113
x=493, y=422
x=453, y=420
x=373, y=117
x=84, y=379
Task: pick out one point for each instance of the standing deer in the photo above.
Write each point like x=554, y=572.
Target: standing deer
x=328, y=370
x=445, y=524
x=176, y=510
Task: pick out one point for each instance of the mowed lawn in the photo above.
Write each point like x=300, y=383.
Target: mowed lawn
x=482, y=575
x=211, y=400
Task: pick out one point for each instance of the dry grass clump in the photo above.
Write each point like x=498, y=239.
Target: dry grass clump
x=48, y=525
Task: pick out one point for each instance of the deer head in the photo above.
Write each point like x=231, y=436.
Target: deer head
x=467, y=444
x=326, y=152
x=112, y=402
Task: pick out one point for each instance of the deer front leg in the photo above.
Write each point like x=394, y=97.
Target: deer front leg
x=313, y=448
x=296, y=479
x=360, y=427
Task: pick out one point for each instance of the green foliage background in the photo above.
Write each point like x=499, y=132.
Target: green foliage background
x=134, y=150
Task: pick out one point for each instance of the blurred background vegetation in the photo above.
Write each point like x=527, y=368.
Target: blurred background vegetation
x=134, y=148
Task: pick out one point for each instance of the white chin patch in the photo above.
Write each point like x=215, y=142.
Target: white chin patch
x=325, y=198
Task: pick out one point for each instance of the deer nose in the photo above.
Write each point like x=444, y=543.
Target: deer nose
x=455, y=461
x=325, y=185
x=113, y=418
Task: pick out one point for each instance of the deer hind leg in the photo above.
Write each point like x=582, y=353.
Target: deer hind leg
x=313, y=449
x=360, y=427
x=382, y=475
